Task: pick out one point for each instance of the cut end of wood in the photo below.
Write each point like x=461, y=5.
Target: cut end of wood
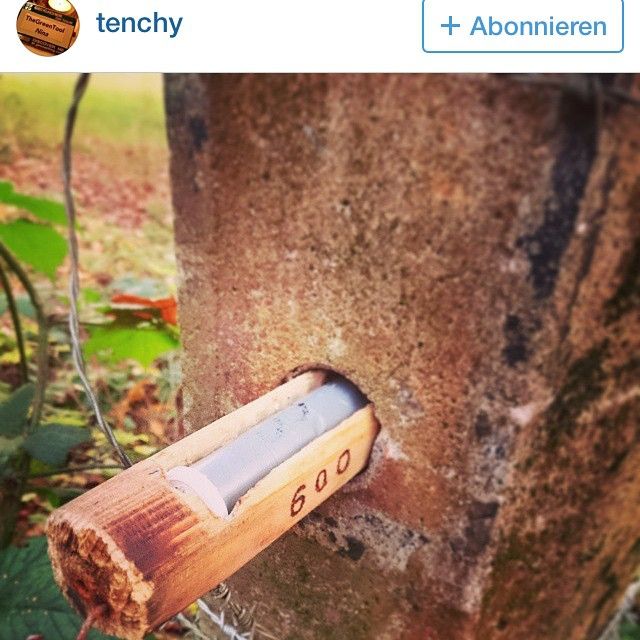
x=93, y=572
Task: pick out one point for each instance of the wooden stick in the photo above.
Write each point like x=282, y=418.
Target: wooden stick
x=147, y=551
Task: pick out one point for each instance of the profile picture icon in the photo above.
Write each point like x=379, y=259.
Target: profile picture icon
x=48, y=27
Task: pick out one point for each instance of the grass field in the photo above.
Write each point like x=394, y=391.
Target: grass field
x=118, y=108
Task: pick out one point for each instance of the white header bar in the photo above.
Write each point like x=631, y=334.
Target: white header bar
x=339, y=36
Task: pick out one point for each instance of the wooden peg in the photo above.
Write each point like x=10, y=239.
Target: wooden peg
x=146, y=551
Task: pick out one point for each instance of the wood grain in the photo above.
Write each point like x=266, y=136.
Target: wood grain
x=147, y=551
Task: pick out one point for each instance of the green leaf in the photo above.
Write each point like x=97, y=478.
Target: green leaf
x=30, y=601
x=38, y=245
x=23, y=303
x=144, y=344
x=51, y=443
x=8, y=446
x=91, y=296
x=64, y=494
x=46, y=210
x=14, y=412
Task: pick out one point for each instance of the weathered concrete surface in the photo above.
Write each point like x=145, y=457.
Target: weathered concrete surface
x=467, y=249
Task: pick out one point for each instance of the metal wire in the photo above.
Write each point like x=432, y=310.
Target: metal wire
x=187, y=624
x=243, y=620
x=228, y=629
x=74, y=278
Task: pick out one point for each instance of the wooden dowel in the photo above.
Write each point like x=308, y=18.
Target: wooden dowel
x=146, y=551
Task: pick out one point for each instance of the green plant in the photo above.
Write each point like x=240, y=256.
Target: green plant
x=140, y=328
x=49, y=443
x=30, y=447
x=31, y=236
x=30, y=601
x=128, y=327
x=43, y=248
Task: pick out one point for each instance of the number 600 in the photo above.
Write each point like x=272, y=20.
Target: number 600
x=298, y=500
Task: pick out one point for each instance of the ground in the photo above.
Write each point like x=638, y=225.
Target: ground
x=126, y=243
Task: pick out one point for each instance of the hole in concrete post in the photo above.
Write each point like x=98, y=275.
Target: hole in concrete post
x=223, y=477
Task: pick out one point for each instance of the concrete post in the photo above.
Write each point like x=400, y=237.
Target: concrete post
x=467, y=250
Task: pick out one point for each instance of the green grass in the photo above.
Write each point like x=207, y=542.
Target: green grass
x=125, y=108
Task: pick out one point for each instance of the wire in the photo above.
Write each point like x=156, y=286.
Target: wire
x=228, y=629
x=74, y=278
x=187, y=624
x=96, y=612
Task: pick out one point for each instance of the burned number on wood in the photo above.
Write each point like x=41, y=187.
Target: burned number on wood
x=298, y=501
x=322, y=479
x=343, y=461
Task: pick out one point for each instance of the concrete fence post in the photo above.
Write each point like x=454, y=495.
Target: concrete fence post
x=467, y=250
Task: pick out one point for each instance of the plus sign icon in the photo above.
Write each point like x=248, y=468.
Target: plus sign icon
x=451, y=25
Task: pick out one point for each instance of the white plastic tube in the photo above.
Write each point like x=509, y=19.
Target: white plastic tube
x=223, y=477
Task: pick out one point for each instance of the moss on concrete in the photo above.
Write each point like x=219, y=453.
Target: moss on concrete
x=627, y=296
x=584, y=383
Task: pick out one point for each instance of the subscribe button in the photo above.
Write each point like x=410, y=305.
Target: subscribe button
x=513, y=26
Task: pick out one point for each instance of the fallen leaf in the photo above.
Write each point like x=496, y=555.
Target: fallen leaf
x=168, y=307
